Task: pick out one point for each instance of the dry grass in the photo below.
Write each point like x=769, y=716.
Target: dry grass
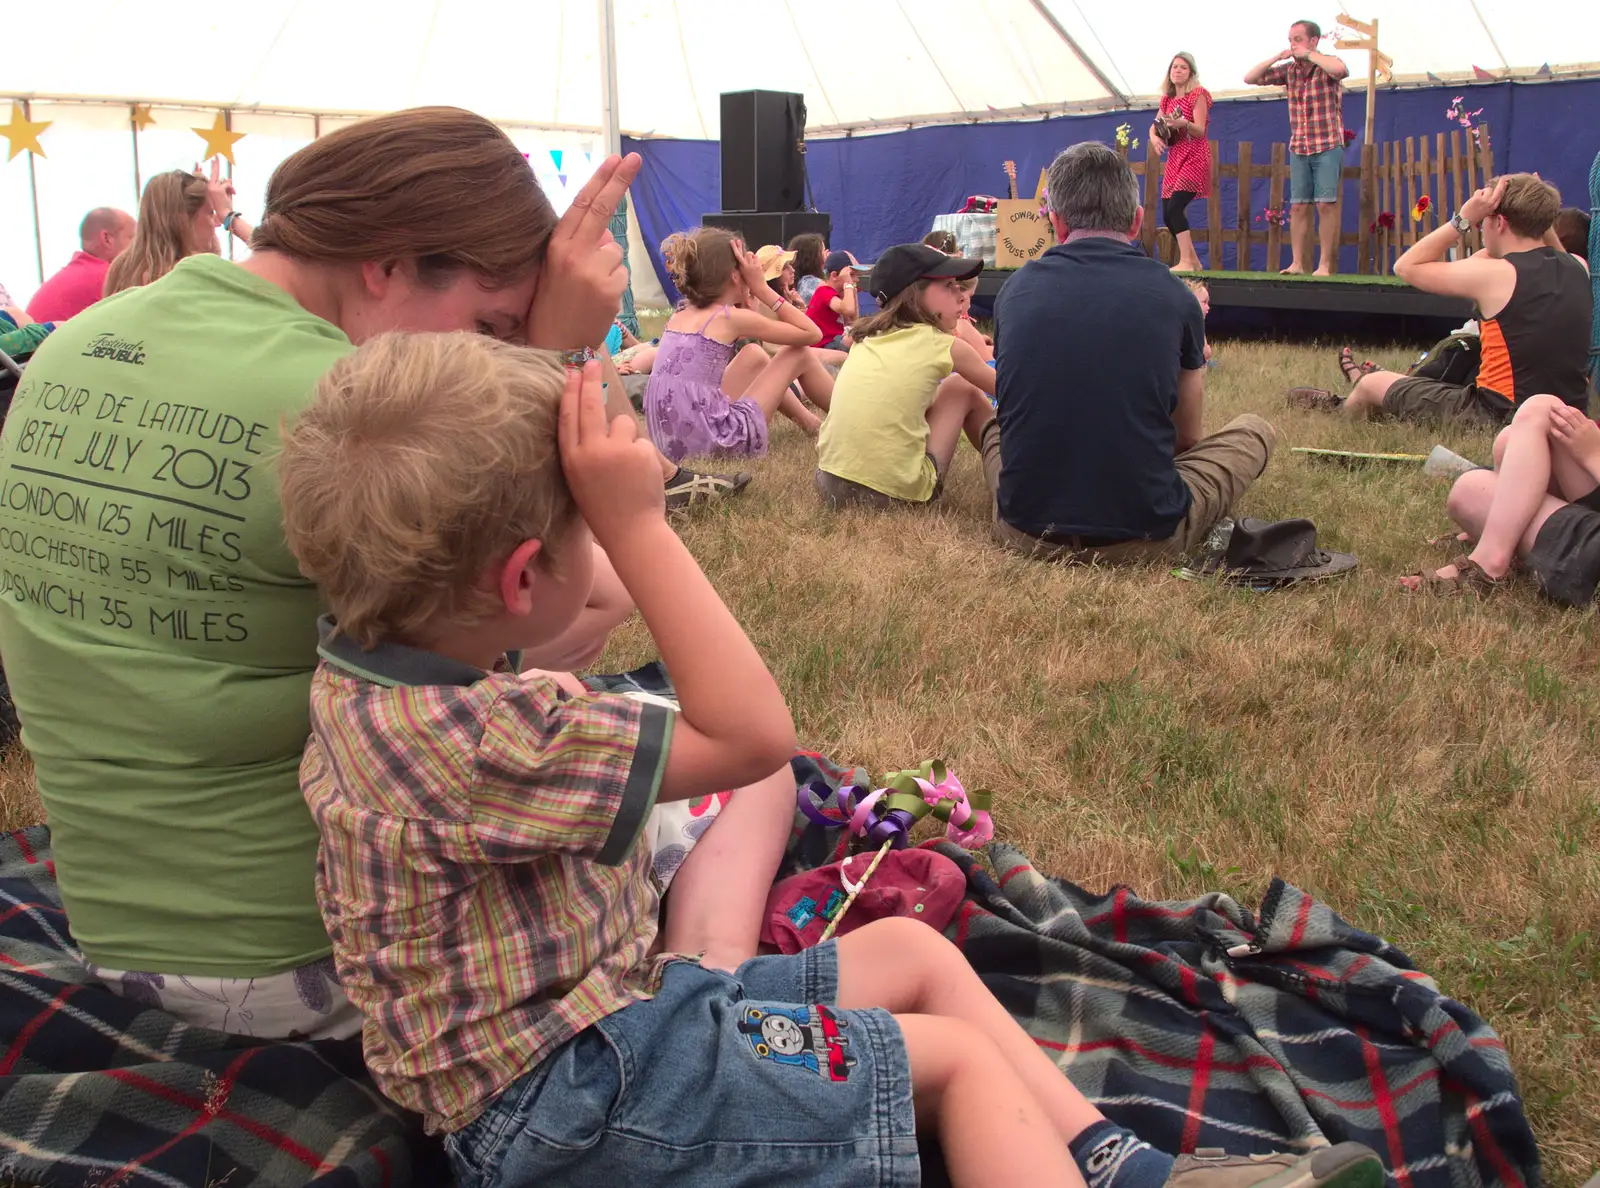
x=1429, y=768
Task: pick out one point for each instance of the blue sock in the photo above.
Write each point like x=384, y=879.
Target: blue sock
x=1110, y=1156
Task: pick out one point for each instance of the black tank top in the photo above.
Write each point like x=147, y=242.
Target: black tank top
x=1539, y=343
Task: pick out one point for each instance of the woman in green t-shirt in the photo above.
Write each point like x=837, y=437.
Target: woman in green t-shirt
x=158, y=637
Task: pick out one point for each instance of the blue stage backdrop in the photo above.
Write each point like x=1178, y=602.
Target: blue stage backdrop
x=886, y=189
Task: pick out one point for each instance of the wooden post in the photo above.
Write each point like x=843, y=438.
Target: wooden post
x=1457, y=167
x=1443, y=211
x=1423, y=172
x=1403, y=217
x=1214, y=211
x=1152, y=197
x=1369, y=211
x=1242, y=231
x=1280, y=170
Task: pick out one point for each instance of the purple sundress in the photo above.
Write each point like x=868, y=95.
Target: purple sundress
x=685, y=409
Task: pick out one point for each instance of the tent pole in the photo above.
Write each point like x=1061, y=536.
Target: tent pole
x=33, y=194
x=1089, y=63
x=610, y=125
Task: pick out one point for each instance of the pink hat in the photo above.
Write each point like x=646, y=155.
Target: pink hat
x=916, y=883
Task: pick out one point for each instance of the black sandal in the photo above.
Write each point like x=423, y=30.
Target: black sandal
x=1352, y=372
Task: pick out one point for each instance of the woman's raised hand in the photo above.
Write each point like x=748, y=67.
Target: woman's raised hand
x=581, y=287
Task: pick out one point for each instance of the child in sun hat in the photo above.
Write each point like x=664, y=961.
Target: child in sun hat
x=909, y=388
x=777, y=265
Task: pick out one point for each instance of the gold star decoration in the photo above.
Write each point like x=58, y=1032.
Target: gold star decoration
x=219, y=141
x=142, y=118
x=23, y=133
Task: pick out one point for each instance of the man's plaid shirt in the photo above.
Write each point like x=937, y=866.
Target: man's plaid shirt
x=478, y=871
x=1316, y=106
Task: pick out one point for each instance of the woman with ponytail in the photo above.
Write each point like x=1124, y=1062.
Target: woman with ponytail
x=706, y=394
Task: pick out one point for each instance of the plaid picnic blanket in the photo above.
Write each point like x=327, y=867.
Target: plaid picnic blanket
x=1198, y=1024
x=99, y=1090
x=1195, y=1024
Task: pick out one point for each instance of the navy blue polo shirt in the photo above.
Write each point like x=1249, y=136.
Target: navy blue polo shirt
x=1089, y=340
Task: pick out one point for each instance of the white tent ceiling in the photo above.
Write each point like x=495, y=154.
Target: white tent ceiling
x=870, y=62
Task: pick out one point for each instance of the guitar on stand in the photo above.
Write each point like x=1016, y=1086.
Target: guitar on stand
x=1011, y=178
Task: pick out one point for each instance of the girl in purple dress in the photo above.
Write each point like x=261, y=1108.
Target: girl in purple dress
x=707, y=395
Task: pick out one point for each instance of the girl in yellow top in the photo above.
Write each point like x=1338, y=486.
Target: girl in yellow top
x=909, y=388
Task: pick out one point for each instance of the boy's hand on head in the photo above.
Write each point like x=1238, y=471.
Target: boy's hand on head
x=613, y=473
x=1483, y=203
x=581, y=287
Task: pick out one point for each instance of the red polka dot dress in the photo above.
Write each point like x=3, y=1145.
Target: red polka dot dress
x=1189, y=157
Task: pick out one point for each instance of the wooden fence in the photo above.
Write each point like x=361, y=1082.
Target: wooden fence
x=1446, y=167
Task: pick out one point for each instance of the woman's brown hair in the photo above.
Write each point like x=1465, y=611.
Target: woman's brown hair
x=810, y=250
x=1167, y=88
x=165, y=233
x=701, y=263
x=941, y=241
x=904, y=309
x=437, y=185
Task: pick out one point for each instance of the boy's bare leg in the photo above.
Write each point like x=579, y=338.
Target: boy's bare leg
x=718, y=896
x=908, y=968
x=958, y=1076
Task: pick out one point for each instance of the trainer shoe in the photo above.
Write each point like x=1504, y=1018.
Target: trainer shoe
x=693, y=486
x=1346, y=1165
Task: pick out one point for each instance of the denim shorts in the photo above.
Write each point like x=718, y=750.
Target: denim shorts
x=720, y=1079
x=1315, y=177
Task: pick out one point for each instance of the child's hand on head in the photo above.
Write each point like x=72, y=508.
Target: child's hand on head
x=613, y=473
x=1577, y=432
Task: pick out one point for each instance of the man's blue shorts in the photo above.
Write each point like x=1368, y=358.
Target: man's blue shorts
x=719, y=1080
x=1315, y=177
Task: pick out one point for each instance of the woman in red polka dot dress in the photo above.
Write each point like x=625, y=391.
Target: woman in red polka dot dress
x=1185, y=108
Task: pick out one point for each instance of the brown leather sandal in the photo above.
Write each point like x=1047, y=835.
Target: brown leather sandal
x=1470, y=578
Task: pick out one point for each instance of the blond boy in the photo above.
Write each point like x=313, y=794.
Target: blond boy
x=479, y=873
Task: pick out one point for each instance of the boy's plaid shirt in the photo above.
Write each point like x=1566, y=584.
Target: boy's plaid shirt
x=478, y=871
x=1316, y=106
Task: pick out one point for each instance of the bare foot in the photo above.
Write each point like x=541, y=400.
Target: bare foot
x=1293, y=270
x=1323, y=271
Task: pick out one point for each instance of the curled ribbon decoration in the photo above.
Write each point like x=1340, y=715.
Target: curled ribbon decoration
x=885, y=816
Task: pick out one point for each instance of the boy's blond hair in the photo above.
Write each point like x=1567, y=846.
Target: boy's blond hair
x=422, y=461
x=1530, y=204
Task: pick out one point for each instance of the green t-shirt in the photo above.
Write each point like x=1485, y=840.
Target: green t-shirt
x=876, y=433
x=156, y=632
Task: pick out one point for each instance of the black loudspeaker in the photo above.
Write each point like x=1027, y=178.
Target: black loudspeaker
x=762, y=163
x=758, y=230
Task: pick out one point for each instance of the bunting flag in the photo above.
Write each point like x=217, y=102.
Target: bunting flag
x=555, y=155
x=1481, y=74
x=23, y=133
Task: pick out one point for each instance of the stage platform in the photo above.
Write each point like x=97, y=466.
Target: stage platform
x=1380, y=308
